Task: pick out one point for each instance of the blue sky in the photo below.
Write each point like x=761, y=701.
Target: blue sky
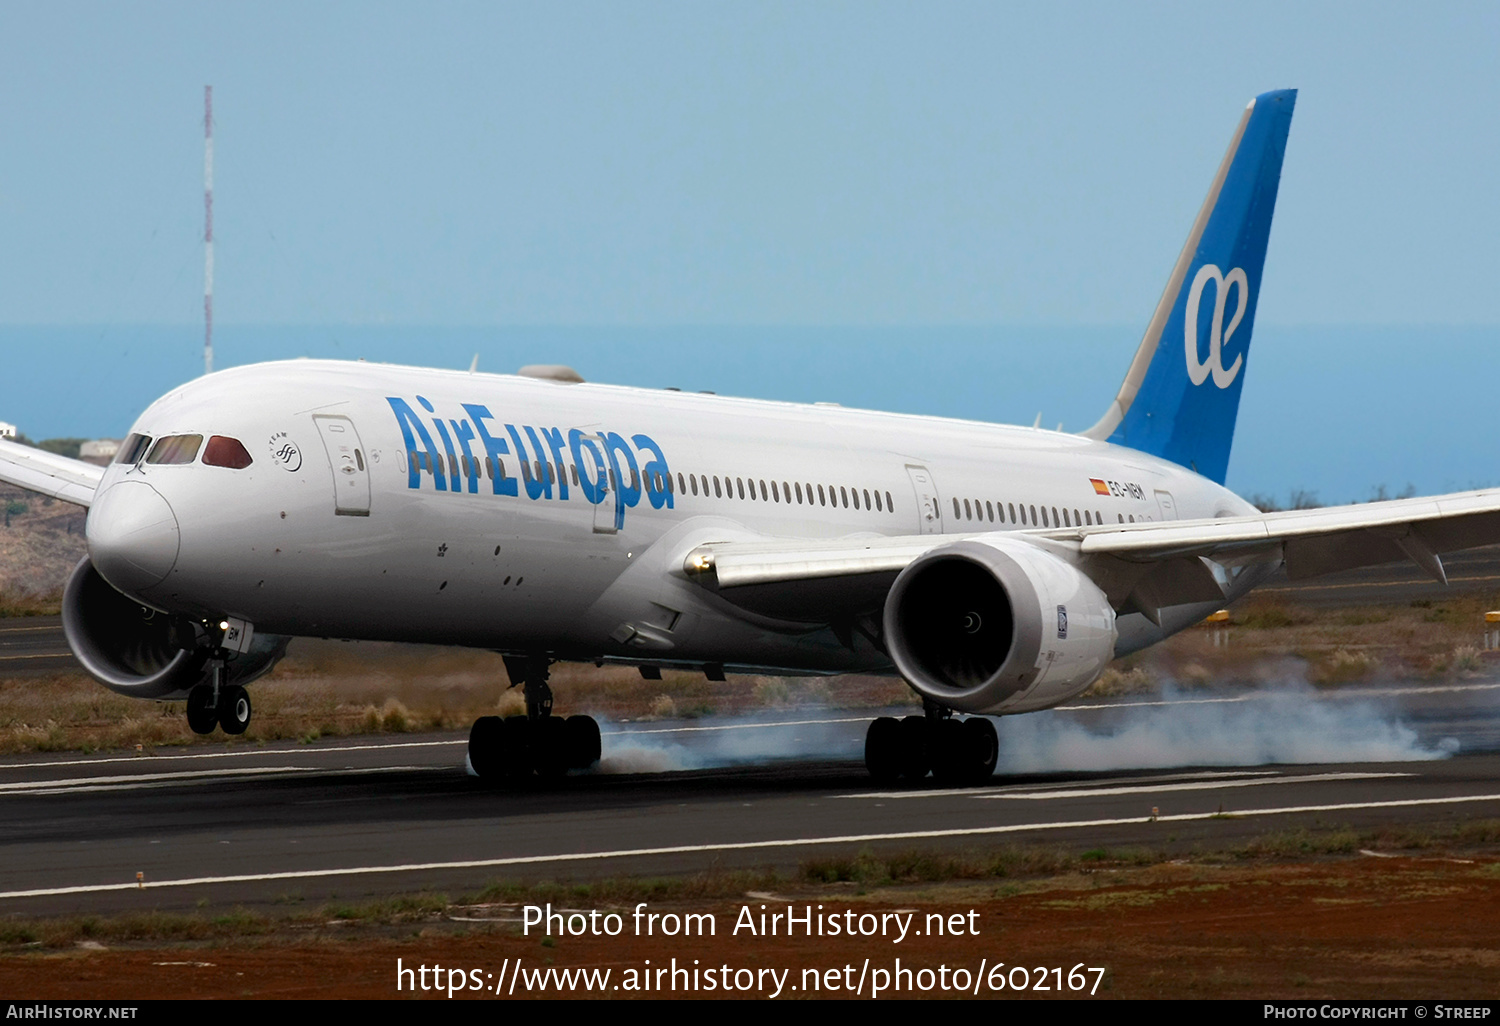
x=854, y=166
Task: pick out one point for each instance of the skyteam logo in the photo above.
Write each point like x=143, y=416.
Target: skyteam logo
x=1219, y=336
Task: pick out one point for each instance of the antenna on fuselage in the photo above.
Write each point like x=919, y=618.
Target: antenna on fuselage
x=208, y=229
x=474, y=364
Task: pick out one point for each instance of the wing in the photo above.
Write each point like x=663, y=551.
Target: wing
x=45, y=472
x=1142, y=567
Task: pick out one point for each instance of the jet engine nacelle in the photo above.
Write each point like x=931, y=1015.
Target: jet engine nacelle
x=143, y=653
x=997, y=625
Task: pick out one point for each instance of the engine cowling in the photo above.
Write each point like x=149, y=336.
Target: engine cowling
x=997, y=625
x=138, y=651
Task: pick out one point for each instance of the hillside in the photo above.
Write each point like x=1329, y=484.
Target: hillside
x=38, y=549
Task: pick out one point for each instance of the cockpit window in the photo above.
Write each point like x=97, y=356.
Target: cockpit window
x=226, y=452
x=175, y=449
x=133, y=449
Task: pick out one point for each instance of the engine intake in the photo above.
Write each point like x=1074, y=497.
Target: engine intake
x=997, y=625
x=138, y=651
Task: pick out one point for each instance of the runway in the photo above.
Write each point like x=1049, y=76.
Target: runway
x=306, y=823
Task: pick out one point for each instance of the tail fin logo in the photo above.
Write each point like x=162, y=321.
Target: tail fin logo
x=1218, y=337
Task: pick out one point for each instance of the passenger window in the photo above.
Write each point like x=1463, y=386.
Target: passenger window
x=739, y=484
x=1055, y=522
x=821, y=500
x=1013, y=512
x=956, y=513
x=890, y=507
x=681, y=484
x=990, y=509
x=1076, y=521
x=764, y=495
x=867, y=498
x=1065, y=519
x=1033, y=516
x=228, y=452
x=878, y=507
x=175, y=449
x=717, y=493
x=856, y=497
x=1044, y=517
x=968, y=512
x=799, y=493
x=694, y=482
x=134, y=448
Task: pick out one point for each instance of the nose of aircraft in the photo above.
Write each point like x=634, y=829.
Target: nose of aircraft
x=133, y=536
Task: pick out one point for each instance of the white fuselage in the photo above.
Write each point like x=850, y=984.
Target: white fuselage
x=311, y=539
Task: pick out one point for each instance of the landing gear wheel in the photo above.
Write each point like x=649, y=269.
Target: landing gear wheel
x=916, y=743
x=883, y=749
x=981, y=748
x=234, y=709
x=549, y=746
x=486, y=747
x=582, y=741
x=202, y=717
x=515, y=746
x=950, y=754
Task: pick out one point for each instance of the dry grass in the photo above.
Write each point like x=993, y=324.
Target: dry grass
x=336, y=689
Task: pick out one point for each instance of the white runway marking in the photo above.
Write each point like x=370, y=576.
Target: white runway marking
x=687, y=849
x=980, y=792
x=1421, y=689
x=736, y=726
x=1202, y=785
x=139, y=781
x=289, y=753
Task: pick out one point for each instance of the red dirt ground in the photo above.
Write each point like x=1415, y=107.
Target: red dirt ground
x=1352, y=928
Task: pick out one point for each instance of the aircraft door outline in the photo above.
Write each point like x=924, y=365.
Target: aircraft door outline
x=929, y=509
x=346, y=460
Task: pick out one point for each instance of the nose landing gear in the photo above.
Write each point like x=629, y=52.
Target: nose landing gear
x=537, y=743
x=211, y=705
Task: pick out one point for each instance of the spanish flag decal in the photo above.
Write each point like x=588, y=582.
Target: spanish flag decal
x=1100, y=488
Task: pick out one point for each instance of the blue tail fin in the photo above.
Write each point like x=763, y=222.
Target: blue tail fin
x=1181, y=395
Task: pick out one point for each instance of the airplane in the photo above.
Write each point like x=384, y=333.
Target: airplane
x=998, y=570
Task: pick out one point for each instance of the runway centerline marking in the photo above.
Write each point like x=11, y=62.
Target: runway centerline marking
x=688, y=849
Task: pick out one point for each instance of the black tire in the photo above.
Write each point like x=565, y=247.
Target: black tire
x=549, y=746
x=486, y=747
x=584, y=744
x=234, y=709
x=883, y=750
x=950, y=749
x=915, y=747
x=202, y=717
x=981, y=749
x=515, y=746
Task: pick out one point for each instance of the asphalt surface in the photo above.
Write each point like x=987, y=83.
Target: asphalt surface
x=351, y=820
x=32, y=645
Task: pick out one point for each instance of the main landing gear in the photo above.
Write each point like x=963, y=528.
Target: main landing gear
x=218, y=705
x=956, y=752
x=540, y=743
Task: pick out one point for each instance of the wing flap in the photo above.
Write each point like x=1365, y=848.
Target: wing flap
x=58, y=476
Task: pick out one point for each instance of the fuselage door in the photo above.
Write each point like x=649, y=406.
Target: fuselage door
x=1166, y=505
x=351, y=477
x=929, y=510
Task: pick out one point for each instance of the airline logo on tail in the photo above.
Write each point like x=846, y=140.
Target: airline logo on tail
x=1218, y=337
